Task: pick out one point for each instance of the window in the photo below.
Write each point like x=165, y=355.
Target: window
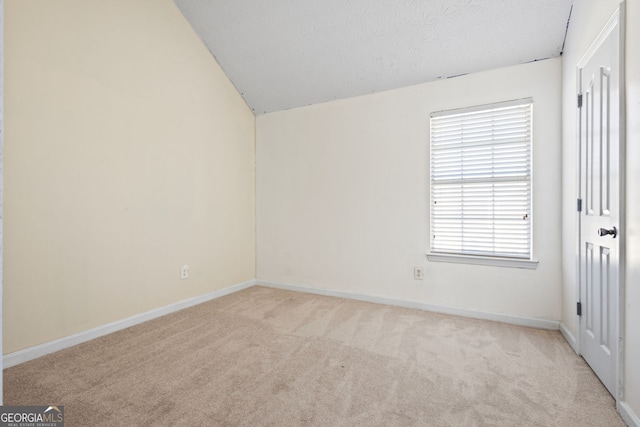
x=481, y=184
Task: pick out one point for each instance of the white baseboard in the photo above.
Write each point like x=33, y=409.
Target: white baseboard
x=31, y=353
x=568, y=336
x=628, y=415
x=515, y=320
x=21, y=356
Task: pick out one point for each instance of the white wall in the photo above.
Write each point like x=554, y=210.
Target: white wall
x=587, y=19
x=632, y=277
x=342, y=196
x=1, y=186
x=127, y=153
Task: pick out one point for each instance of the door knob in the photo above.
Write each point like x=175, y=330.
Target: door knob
x=603, y=232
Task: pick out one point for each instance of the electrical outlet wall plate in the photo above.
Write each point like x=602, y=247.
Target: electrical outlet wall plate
x=184, y=272
x=418, y=273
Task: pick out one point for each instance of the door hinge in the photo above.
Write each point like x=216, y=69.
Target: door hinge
x=579, y=309
x=579, y=205
x=579, y=100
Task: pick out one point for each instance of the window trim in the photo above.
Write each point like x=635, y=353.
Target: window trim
x=530, y=264
x=499, y=261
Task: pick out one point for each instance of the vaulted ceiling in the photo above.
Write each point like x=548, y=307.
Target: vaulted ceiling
x=282, y=54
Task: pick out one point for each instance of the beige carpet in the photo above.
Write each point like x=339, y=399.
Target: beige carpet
x=271, y=357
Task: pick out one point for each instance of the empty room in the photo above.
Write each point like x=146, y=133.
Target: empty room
x=381, y=213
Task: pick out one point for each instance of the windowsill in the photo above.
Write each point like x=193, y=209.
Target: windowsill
x=482, y=260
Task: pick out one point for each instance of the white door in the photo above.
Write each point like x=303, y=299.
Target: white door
x=601, y=231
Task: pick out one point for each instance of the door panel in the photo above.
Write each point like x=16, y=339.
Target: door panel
x=600, y=144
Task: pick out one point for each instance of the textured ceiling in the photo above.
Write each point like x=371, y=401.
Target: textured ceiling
x=282, y=54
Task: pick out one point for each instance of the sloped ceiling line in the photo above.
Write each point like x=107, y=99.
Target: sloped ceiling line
x=282, y=54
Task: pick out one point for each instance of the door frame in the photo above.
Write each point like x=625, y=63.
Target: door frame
x=615, y=23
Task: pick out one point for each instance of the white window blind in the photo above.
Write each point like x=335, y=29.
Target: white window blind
x=481, y=180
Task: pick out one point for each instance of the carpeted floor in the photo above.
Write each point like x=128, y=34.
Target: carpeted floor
x=270, y=357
